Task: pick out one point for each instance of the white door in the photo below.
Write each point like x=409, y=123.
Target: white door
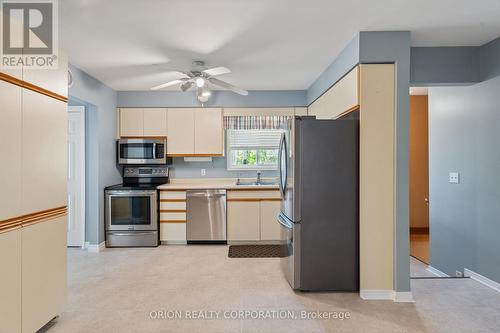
x=76, y=176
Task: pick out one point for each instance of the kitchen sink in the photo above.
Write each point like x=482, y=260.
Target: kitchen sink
x=254, y=183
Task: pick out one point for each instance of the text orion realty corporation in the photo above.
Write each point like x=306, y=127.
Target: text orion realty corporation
x=29, y=34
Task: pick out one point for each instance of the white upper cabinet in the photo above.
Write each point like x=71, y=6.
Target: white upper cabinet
x=180, y=124
x=208, y=132
x=340, y=98
x=142, y=122
x=44, y=142
x=131, y=122
x=189, y=131
x=10, y=148
x=195, y=131
x=155, y=122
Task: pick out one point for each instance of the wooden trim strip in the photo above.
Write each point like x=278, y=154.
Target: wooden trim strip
x=10, y=224
x=172, y=200
x=346, y=112
x=32, y=218
x=32, y=87
x=171, y=190
x=252, y=189
x=143, y=137
x=195, y=155
x=173, y=211
x=173, y=221
x=253, y=199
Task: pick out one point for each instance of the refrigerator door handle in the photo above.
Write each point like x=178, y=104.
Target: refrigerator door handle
x=284, y=221
x=281, y=151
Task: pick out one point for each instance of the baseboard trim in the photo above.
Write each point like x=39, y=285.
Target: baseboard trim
x=174, y=242
x=436, y=271
x=482, y=279
x=386, y=295
x=95, y=248
x=403, y=297
x=419, y=230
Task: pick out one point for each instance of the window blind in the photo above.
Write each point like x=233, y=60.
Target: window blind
x=254, y=138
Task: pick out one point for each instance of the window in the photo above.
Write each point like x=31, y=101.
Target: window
x=253, y=149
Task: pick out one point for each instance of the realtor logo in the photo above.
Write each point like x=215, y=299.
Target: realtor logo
x=29, y=37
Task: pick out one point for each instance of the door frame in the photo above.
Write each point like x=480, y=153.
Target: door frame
x=81, y=151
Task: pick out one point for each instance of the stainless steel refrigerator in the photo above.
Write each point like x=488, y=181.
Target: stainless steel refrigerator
x=319, y=183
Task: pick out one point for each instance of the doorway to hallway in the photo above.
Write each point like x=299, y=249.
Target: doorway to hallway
x=76, y=176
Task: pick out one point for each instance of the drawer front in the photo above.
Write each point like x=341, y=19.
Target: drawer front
x=169, y=205
x=172, y=217
x=173, y=195
x=254, y=194
x=173, y=233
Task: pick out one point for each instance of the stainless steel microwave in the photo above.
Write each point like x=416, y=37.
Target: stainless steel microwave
x=142, y=151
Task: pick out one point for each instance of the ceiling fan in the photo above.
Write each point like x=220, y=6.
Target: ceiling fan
x=200, y=78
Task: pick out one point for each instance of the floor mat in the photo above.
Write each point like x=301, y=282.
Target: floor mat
x=257, y=251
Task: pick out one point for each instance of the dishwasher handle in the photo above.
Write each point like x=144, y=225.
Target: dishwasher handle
x=205, y=194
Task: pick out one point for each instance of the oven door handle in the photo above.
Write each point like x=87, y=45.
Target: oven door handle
x=129, y=233
x=154, y=151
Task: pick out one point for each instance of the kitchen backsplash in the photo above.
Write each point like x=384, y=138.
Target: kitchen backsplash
x=215, y=169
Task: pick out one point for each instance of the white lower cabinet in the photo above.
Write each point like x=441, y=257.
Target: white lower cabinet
x=43, y=272
x=243, y=220
x=269, y=226
x=173, y=217
x=10, y=281
x=251, y=216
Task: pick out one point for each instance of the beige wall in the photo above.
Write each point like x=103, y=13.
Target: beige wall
x=377, y=176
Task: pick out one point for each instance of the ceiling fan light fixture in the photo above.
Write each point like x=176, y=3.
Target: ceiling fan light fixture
x=203, y=94
x=200, y=82
x=205, y=91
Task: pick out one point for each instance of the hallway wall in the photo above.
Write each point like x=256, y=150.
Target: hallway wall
x=464, y=127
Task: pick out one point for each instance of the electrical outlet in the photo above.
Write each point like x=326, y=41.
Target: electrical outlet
x=203, y=172
x=454, y=178
x=459, y=274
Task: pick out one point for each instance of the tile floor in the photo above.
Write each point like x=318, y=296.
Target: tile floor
x=118, y=289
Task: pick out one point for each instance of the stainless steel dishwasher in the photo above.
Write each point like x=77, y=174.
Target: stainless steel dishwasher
x=206, y=216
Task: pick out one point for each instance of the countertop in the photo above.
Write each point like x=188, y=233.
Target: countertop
x=213, y=183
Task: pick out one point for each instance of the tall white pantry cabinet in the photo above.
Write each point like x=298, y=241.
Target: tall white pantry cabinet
x=33, y=202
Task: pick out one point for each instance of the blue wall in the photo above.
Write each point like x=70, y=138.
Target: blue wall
x=489, y=55
x=345, y=61
x=219, y=98
x=464, y=123
x=431, y=66
x=100, y=120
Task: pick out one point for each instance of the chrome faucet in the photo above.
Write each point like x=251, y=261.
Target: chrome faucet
x=258, y=177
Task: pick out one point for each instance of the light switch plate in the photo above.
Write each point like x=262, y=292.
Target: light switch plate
x=203, y=172
x=454, y=178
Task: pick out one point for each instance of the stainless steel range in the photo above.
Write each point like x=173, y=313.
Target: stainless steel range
x=131, y=208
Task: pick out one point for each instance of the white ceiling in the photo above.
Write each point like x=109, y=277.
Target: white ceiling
x=268, y=44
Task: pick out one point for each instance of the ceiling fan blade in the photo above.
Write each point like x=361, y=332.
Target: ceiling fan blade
x=168, y=84
x=226, y=85
x=217, y=71
x=186, y=85
x=180, y=74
